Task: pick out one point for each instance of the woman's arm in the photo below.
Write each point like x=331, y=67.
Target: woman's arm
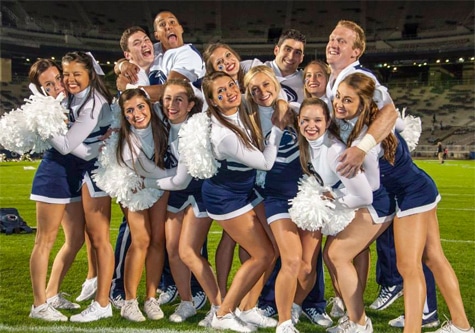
x=176, y=182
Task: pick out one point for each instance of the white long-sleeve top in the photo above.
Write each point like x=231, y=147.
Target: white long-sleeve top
x=140, y=156
x=85, y=129
x=227, y=146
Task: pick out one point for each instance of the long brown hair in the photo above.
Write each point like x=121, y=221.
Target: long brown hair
x=160, y=133
x=38, y=68
x=364, y=87
x=303, y=143
x=249, y=142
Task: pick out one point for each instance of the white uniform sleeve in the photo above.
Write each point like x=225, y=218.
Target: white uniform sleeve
x=188, y=63
x=79, y=131
x=147, y=169
x=176, y=182
x=231, y=147
x=87, y=152
x=358, y=192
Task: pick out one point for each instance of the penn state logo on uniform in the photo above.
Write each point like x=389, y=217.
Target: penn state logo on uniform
x=292, y=95
x=170, y=159
x=157, y=77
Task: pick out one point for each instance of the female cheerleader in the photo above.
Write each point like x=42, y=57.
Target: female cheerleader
x=229, y=196
x=416, y=230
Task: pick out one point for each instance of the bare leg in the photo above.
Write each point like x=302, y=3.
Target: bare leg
x=308, y=273
x=224, y=261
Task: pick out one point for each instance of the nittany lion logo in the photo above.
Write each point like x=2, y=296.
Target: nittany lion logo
x=157, y=77
x=291, y=94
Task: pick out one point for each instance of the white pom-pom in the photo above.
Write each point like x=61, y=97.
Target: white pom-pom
x=336, y=219
x=116, y=114
x=195, y=147
x=261, y=178
x=412, y=130
x=121, y=182
x=29, y=127
x=308, y=208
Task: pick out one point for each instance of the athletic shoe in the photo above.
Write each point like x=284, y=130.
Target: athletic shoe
x=183, y=311
x=339, y=326
x=286, y=327
x=168, y=295
x=47, y=312
x=152, y=309
x=92, y=313
x=231, y=322
x=351, y=327
x=318, y=317
x=295, y=313
x=206, y=321
x=59, y=302
x=387, y=296
x=117, y=302
x=88, y=291
x=338, y=308
x=449, y=327
x=428, y=320
x=130, y=311
x=268, y=309
x=255, y=317
x=199, y=299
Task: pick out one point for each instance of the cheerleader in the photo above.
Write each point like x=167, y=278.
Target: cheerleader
x=142, y=145
x=416, y=230
x=90, y=117
x=187, y=222
x=229, y=196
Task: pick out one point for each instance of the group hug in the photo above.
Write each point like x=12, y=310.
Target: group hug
x=301, y=168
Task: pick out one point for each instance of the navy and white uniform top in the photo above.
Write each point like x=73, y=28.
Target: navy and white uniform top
x=291, y=84
x=411, y=187
x=381, y=95
x=281, y=182
x=185, y=60
x=355, y=192
x=230, y=192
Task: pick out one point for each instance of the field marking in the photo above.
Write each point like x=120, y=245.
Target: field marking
x=457, y=241
x=71, y=329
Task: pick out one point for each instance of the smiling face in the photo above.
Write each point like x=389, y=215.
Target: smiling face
x=224, y=60
x=51, y=81
x=262, y=90
x=346, y=104
x=168, y=30
x=340, y=49
x=137, y=112
x=75, y=77
x=226, y=95
x=313, y=122
x=289, y=56
x=139, y=49
x=315, y=80
x=176, y=104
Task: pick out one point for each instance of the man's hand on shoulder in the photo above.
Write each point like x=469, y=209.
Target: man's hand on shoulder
x=350, y=162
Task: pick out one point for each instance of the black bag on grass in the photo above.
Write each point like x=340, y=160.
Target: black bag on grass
x=11, y=222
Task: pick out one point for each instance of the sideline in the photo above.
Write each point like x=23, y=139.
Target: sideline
x=72, y=329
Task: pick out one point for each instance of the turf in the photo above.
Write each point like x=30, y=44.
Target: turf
x=455, y=180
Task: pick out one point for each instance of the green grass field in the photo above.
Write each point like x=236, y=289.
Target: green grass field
x=455, y=179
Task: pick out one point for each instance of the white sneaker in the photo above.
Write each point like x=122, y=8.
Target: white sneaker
x=92, y=313
x=339, y=326
x=286, y=327
x=184, y=310
x=351, y=327
x=47, y=312
x=199, y=299
x=428, y=321
x=256, y=317
x=59, y=302
x=449, y=327
x=338, y=308
x=387, y=296
x=317, y=317
x=295, y=313
x=231, y=322
x=88, y=291
x=152, y=309
x=168, y=295
x=206, y=321
x=117, y=302
x=130, y=311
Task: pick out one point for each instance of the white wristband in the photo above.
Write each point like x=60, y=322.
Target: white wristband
x=367, y=143
x=131, y=86
x=120, y=65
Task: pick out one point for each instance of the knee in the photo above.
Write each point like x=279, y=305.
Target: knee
x=306, y=269
x=408, y=268
x=141, y=241
x=291, y=264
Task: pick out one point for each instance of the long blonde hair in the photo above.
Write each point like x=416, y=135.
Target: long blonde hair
x=251, y=141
